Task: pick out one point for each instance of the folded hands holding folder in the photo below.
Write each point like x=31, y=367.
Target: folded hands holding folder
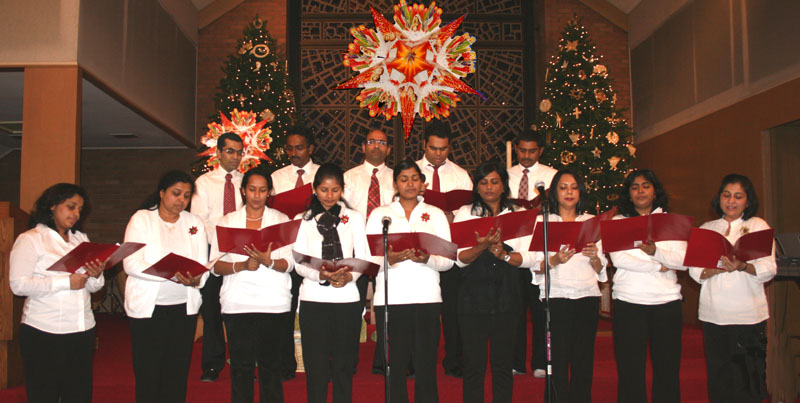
x=709, y=249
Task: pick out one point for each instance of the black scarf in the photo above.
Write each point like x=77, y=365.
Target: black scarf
x=326, y=225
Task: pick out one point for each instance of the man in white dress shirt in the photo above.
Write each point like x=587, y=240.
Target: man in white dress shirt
x=443, y=175
x=217, y=193
x=522, y=178
x=301, y=170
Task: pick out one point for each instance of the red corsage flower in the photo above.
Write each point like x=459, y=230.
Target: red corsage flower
x=192, y=230
x=426, y=217
x=345, y=219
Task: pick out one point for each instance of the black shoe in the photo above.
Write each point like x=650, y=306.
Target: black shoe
x=379, y=371
x=455, y=372
x=209, y=375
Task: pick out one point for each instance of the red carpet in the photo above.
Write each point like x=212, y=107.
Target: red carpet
x=113, y=373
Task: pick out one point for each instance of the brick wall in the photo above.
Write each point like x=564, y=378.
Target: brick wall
x=219, y=39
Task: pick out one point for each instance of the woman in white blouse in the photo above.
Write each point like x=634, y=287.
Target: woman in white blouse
x=255, y=295
x=733, y=305
x=163, y=313
x=57, y=334
x=489, y=297
x=647, y=300
x=330, y=308
x=574, y=294
x=414, y=294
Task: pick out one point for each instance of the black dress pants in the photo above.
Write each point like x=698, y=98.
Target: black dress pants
x=481, y=332
x=736, y=367
x=330, y=347
x=162, y=351
x=287, y=358
x=573, y=327
x=255, y=337
x=450, y=283
x=636, y=326
x=57, y=367
x=530, y=303
x=414, y=331
x=213, y=335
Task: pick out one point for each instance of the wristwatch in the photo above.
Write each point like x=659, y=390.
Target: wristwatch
x=507, y=257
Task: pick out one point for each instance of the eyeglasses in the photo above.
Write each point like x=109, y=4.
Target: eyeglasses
x=372, y=142
x=231, y=151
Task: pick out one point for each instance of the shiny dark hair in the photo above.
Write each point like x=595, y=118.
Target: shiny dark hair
x=407, y=164
x=53, y=196
x=257, y=171
x=167, y=180
x=479, y=207
x=303, y=131
x=325, y=171
x=530, y=135
x=625, y=203
x=228, y=136
x=752, y=200
x=552, y=195
x=437, y=128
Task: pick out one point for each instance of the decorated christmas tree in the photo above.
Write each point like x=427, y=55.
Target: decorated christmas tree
x=254, y=101
x=586, y=131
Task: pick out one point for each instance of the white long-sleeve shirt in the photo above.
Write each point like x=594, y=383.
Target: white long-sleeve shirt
x=736, y=298
x=285, y=178
x=638, y=278
x=451, y=176
x=353, y=238
x=411, y=282
x=576, y=278
x=185, y=237
x=51, y=306
x=260, y=291
x=356, y=186
x=536, y=172
x=208, y=201
x=518, y=244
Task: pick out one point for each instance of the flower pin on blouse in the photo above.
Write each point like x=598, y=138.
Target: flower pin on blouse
x=345, y=219
x=192, y=230
x=426, y=217
x=744, y=231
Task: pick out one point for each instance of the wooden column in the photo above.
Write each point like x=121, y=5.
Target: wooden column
x=13, y=221
x=51, y=127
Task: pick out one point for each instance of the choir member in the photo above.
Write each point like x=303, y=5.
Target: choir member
x=255, y=295
x=574, y=293
x=57, y=333
x=489, y=299
x=330, y=306
x=647, y=300
x=733, y=305
x=414, y=294
x=163, y=313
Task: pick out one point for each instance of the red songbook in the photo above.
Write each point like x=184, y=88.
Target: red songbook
x=529, y=204
x=573, y=235
x=235, y=239
x=291, y=202
x=429, y=243
x=706, y=247
x=356, y=265
x=89, y=251
x=448, y=201
x=629, y=233
x=512, y=225
x=172, y=263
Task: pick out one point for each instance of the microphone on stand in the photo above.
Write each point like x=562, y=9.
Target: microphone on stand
x=386, y=221
x=539, y=185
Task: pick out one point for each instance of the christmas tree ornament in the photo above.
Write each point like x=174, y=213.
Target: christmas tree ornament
x=545, y=105
x=572, y=46
x=600, y=70
x=567, y=157
x=631, y=149
x=613, y=161
x=260, y=51
x=576, y=112
x=412, y=67
x=612, y=197
x=267, y=115
x=255, y=137
x=581, y=74
x=599, y=95
x=576, y=94
x=574, y=137
x=612, y=137
x=597, y=152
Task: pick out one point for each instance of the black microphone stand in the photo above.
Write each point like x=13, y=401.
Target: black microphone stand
x=387, y=382
x=548, y=386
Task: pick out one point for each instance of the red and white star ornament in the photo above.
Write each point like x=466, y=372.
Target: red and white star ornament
x=411, y=67
x=255, y=136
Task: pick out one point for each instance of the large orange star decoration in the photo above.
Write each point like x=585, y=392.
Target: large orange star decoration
x=255, y=136
x=411, y=67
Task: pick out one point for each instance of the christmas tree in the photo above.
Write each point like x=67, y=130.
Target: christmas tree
x=585, y=130
x=255, y=81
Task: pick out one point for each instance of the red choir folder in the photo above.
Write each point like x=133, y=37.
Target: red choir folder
x=529, y=204
x=235, y=239
x=573, y=235
x=356, y=265
x=90, y=251
x=706, y=247
x=172, y=263
x=629, y=233
x=512, y=225
x=291, y=202
x=448, y=201
x=429, y=243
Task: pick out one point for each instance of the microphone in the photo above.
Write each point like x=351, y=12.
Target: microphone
x=386, y=220
x=539, y=185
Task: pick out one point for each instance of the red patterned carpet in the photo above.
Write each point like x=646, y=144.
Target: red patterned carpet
x=113, y=373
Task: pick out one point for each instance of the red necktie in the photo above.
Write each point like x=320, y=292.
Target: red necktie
x=299, y=182
x=229, y=198
x=374, y=194
x=435, y=181
x=523, y=185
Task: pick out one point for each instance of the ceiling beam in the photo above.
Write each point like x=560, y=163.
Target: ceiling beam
x=609, y=12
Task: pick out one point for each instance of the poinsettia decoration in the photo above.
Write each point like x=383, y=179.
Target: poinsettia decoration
x=413, y=66
x=255, y=136
x=345, y=219
x=192, y=230
x=425, y=217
